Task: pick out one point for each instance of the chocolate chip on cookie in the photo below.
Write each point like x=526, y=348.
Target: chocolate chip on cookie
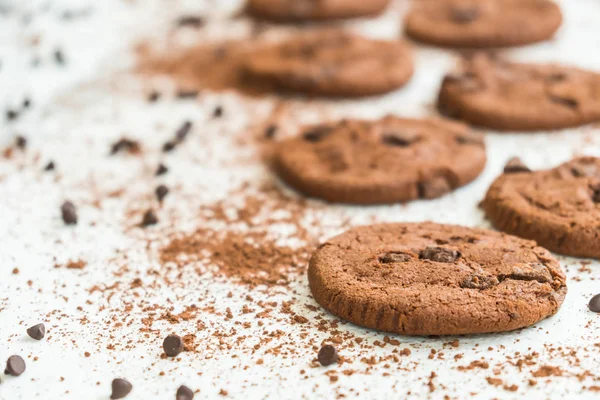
x=384, y=161
x=306, y=10
x=463, y=281
x=331, y=63
x=504, y=87
x=515, y=165
x=478, y=24
x=559, y=208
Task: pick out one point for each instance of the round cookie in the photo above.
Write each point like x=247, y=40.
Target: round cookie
x=377, y=162
x=559, y=207
x=483, y=23
x=313, y=10
x=524, y=97
x=432, y=279
x=331, y=63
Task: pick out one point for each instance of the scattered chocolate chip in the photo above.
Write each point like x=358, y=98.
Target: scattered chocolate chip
x=69, y=213
x=120, y=388
x=169, y=146
x=161, y=170
x=394, y=258
x=218, y=112
x=149, y=218
x=153, y=97
x=464, y=14
x=565, y=101
x=434, y=187
x=125, y=144
x=187, y=94
x=21, y=142
x=327, y=355
x=37, y=332
x=183, y=131
x=270, y=131
x=15, y=366
x=515, y=165
x=594, y=304
x=11, y=115
x=192, y=21
x=50, y=166
x=161, y=191
x=184, y=393
x=595, y=192
x=401, y=139
x=316, y=134
x=173, y=345
x=439, y=254
x=59, y=57
x=26, y=102
x=479, y=281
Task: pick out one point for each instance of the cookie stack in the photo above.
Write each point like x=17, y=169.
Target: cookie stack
x=428, y=278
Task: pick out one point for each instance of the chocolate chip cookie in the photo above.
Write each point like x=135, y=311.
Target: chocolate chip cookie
x=503, y=95
x=483, y=23
x=385, y=161
x=311, y=10
x=331, y=63
x=559, y=207
x=432, y=279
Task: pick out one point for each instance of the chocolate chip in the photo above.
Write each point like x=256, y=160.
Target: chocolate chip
x=464, y=14
x=218, y=112
x=69, y=213
x=120, y=388
x=184, y=393
x=149, y=218
x=125, y=144
x=161, y=170
x=434, y=187
x=183, y=131
x=169, y=146
x=439, y=254
x=565, y=101
x=316, y=134
x=595, y=192
x=187, y=94
x=515, y=165
x=50, y=166
x=479, y=281
x=26, y=102
x=161, y=191
x=153, y=97
x=594, y=304
x=21, y=142
x=173, y=345
x=190, y=20
x=270, y=131
x=394, y=258
x=11, y=115
x=37, y=332
x=530, y=272
x=400, y=139
x=59, y=57
x=327, y=355
x=15, y=366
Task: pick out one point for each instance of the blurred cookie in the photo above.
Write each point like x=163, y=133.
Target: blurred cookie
x=385, y=161
x=524, y=97
x=559, y=208
x=306, y=10
x=433, y=279
x=331, y=63
x=483, y=23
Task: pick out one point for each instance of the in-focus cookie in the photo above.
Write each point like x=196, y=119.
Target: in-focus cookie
x=432, y=279
x=332, y=63
x=307, y=10
x=482, y=23
x=385, y=161
x=559, y=207
x=523, y=97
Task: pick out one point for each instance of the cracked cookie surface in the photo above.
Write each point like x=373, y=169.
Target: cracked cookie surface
x=331, y=63
x=385, y=161
x=433, y=279
x=483, y=23
x=307, y=10
x=559, y=208
x=493, y=93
